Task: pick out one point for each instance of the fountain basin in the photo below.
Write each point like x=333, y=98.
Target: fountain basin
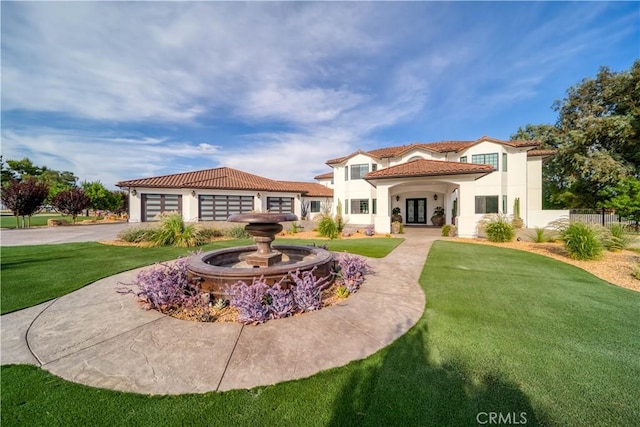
x=216, y=269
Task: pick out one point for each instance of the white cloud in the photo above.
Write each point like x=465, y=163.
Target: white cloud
x=107, y=158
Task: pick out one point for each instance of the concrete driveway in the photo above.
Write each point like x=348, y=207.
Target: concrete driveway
x=50, y=235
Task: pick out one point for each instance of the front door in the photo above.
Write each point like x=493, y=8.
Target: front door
x=416, y=211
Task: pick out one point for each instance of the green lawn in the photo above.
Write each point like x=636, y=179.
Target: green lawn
x=7, y=221
x=503, y=331
x=34, y=274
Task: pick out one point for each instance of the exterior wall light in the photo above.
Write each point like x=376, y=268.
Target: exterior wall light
x=134, y=192
x=193, y=193
x=435, y=197
x=397, y=198
x=258, y=195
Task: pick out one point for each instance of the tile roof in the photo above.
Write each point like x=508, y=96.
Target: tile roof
x=423, y=167
x=439, y=147
x=328, y=175
x=220, y=178
x=308, y=189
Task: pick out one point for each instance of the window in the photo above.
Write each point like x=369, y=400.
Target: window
x=154, y=204
x=374, y=167
x=346, y=206
x=504, y=205
x=374, y=206
x=463, y=159
x=486, y=204
x=486, y=159
x=346, y=173
x=315, y=206
x=219, y=208
x=359, y=171
x=504, y=162
x=280, y=204
x=360, y=206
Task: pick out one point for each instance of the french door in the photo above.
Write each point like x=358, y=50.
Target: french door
x=416, y=211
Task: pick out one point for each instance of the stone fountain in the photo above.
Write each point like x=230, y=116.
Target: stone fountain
x=216, y=269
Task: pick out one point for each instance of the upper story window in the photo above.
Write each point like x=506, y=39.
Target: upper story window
x=463, y=159
x=374, y=167
x=359, y=171
x=486, y=159
x=504, y=162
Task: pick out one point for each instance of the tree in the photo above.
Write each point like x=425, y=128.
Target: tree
x=101, y=198
x=123, y=206
x=625, y=199
x=23, y=169
x=71, y=202
x=597, y=136
x=24, y=198
x=7, y=174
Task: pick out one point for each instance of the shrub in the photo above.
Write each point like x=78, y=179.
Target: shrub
x=582, y=241
x=449, y=230
x=617, y=238
x=540, y=235
x=498, y=228
x=174, y=232
x=351, y=271
x=636, y=272
x=281, y=302
x=259, y=302
x=327, y=227
x=166, y=286
x=236, y=232
x=137, y=234
x=250, y=300
x=307, y=292
x=207, y=233
x=342, y=291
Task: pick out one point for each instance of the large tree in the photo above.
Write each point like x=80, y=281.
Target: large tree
x=24, y=198
x=597, y=137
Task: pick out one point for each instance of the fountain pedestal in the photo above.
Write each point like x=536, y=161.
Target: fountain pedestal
x=263, y=235
x=263, y=228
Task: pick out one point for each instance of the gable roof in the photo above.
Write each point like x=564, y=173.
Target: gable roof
x=438, y=147
x=423, y=167
x=220, y=178
x=328, y=175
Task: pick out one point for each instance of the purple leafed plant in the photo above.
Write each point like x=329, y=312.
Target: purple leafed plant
x=352, y=270
x=282, y=302
x=250, y=300
x=307, y=292
x=166, y=286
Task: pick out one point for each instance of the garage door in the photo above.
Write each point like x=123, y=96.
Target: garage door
x=155, y=204
x=280, y=204
x=218, y=208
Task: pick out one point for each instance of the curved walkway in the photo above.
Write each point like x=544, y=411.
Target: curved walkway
x=99, y=337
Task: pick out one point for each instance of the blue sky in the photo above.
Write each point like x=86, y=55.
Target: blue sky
x=115, y=90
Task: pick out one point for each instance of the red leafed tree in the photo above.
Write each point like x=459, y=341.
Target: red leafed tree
x=71, y=202
x=24, y=198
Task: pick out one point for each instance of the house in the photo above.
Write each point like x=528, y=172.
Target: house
x=468, y=179
x=214, y=194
